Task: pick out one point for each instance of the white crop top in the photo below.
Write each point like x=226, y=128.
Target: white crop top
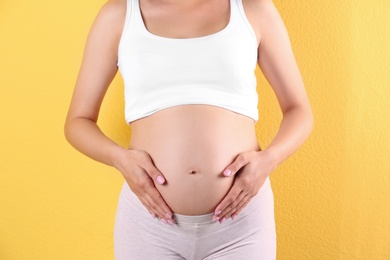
x=216, y=69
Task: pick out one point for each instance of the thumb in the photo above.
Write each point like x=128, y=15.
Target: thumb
x=154, y=173
x=238, y=163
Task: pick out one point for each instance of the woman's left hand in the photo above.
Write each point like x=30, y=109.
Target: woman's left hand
x=250, y=170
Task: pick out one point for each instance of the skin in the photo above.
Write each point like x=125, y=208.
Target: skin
x=207, y=142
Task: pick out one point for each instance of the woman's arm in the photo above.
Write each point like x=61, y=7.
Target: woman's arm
x=97, y=71
x=98, y=68
x=277, y=62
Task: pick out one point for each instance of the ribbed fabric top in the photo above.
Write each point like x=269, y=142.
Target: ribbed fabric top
x=216, y=69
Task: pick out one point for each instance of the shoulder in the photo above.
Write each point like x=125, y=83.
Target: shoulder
x=105, y=33
x=110, y=20
x=259, y=5
x=261, y=14
x=111, y=16
x=113, y=7
x=113, y=11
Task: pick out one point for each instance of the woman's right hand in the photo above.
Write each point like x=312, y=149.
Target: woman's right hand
x=142, y=175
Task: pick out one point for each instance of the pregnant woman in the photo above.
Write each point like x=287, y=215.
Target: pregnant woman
x=196, y=181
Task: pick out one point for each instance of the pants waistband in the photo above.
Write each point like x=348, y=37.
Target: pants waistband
x=197, y=219
x=204, y=219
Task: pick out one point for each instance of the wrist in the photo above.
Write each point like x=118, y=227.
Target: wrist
x=272, y=156
x=117, y=156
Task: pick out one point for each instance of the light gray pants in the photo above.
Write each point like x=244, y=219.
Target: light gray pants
x=251, y=235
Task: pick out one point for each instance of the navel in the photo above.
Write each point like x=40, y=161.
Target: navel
x=193, y=172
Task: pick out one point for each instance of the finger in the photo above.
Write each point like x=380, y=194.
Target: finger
x=229, y=198
x=148, y=165
x=149, y=196
x=238, y=163
x=232, y=205
x=236, y=205
x=146, y=205
x=156, y=213
x=157, y=203
x=234, y=215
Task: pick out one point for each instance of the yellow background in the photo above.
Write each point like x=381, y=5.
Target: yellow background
x=332, y=197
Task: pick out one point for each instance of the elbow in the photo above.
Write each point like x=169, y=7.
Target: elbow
x=304, y=114
x=70, y=129
x=67, y=130
x=308, y=116
x=311, y=122
x=309, y=119
x=74, y=128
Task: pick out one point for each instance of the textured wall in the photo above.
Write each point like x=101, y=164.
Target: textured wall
x=332, y=198
x=333, y=195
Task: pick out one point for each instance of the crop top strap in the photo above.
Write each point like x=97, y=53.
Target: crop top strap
x=129, y=11
x=133, y=16
x=215, y=69
x=244, y=18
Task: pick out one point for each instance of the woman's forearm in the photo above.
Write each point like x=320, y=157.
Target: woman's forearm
x=296, y=126
x=136, y=166
x=84, y=135
x=253, y=167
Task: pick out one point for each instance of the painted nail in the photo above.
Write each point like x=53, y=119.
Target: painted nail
x=170, y=222
x=164, y=221
x=222, y=220
x=227, y=172
x=168, y=215
x=153, y=216
x=234, y=216
x=215, y=219
x=160, y=180
x=217, y=213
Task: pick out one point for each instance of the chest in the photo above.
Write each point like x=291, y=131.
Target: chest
x=185, y=20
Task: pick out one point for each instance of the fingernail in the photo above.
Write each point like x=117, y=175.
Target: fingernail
x=217, y=213
x=227, y=172
x=170, y=222
x=153, y=216
x=168, y=215
x=215, y=219
x=164, y=221
x=160, y=180
x=222, y=220
x=234, y=216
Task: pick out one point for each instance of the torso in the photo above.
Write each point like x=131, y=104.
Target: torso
x=192, y=144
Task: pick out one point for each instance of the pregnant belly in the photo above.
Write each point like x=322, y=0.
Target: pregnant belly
x=191, y=145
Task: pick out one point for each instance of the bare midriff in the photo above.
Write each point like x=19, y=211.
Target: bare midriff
x=192, y=145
